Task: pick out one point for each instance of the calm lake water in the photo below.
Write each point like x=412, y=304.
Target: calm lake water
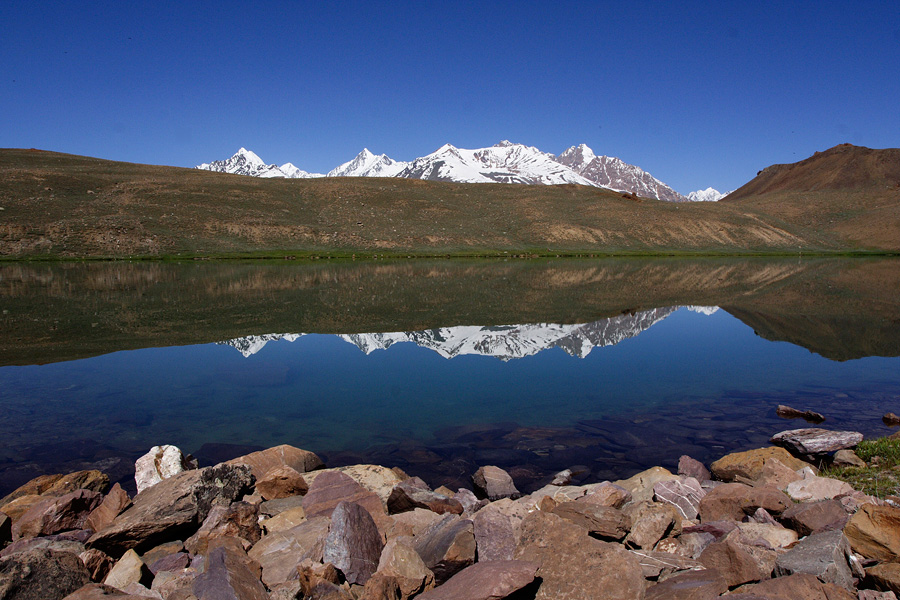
x=536, y=366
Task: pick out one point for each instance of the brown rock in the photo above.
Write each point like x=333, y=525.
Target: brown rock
x=411, y=523
x=35, y=487
x=284, y=520
x=447, y=547
x=169, y=508
x=775, y=474
x=684, y=494
x=847, y=458
x=111, y=507
x=693, y=544
x=400, y=561
x=749, y=464
x=470, y=502
x=154, y=554
x=310, y=572
x=801, y=586
x=171, y=562
x=272, y=508
x=281, y=482
x=59, y=543
x=375, y=478
x=331, y=488
x=875, y=595
x=874, y=532
x=497, y=527
x=53, y=515
x=41, y=574
x=382, y=587
x=92, y=480
x=731, y=501
x=414, y=493
x=604, y=521
x=774, y=535
x=650, y=522
x=812, y=517
x=884, y=577
x=264, y=461
x=128, y=569
x=575, y=566
x=786, y=412
x=228, y=575
x=353, y=544
x=823, y=555
x=813, y=440
x=655, y=563
x=640, y=486
x=238, y=520
x=607, y=494
x=490, y=580
x=690, y=585
x=494, y=483
x=814, y=488
x=14, y=509
x=98, y=563
x=891, y=420
x=689, y=467
x=280, y=553
x=99, y=591
x=736, y=564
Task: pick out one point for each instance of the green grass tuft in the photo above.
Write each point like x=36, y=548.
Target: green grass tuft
x=881, y=475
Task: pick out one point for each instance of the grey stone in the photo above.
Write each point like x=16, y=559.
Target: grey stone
x=494, y=483
x=353, y=544
x=41, y=574
x=813, y=440
x=823, y=555
x=447, y=547
x=497, y=527
x=812, y=517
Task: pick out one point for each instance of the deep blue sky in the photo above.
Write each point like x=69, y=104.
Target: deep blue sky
x=698, y=94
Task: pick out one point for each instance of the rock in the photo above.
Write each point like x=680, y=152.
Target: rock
x=284, y=520
x=604, y=521
x=786, y=412
x=690, y=585
x=154, y=554
x=92, y=480
x=874, y=595
x=53, y=515
x=353, y=544
x=813, y=440
x=310, y=573
x=655, y=563
x=238, y=520
x=734, y=561
x=640, y=486
x=375, y=478
x=823, y=555
x=52, y=542
x=41, y=574
x=414, y=493
x=490, y=580
x=494, y=483
x=497, y=527
x=874, y=532
x=20, y=505
x=847, y=458
x=651, y=521
x=575, y=566
x=279, y=553
x=470, y=502
x=447, y=547
x=812, y=517
x=111, y=507
x=99, y=591
x=817, y=488
x=693, y=544
x=749, y=464
x=128, y=569
x=606, y=494
x=558, y=493
x=263, y=461
x=718, y=529
x=98, y=563
x=412, y=523
x=775, y=536
x=801, y=586
x=400, y=561
x=775, y=474
x=382, y=587
x=228, y=575
x=271, y=508
x=173, y=585
x=331, y=488
x=689, y=467
x=885, y=577
x=891, y=420
x=168, y=509
x=171, y=562
x=731, y=501
x=281, y=482
x=564, y=477
x=761, y=515
x=684, y=494
x=161, y=462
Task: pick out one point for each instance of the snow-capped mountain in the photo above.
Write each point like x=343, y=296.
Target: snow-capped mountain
x=245, y=162
x=505, y=162
x=615, y=174
x=505, y=342
x=707, y=195
x=502, y=163
x=367, y=164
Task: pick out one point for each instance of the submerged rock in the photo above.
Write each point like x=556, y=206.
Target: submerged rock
x=786, y=412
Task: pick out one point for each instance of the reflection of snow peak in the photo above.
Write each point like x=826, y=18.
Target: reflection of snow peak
x=252, y=344
x=703, y=310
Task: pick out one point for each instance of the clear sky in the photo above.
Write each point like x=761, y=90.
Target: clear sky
x=698, y=94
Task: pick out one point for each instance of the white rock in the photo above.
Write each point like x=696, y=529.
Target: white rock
x=160, y=463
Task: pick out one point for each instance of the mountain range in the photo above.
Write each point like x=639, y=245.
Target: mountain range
x=505, y=162
x=505, y=342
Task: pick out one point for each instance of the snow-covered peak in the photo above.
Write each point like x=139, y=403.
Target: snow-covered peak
x=246, y=162
x=367, y=164
x=616, y=174
x=576, y=157
x=707, y=195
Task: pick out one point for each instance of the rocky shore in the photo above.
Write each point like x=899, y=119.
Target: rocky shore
x=277, y=525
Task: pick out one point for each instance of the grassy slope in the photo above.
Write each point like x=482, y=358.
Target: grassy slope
x=64, y=206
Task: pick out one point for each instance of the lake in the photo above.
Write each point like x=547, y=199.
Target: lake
x=438, y=367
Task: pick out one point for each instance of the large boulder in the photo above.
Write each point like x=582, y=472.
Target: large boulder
x=497, y=528
x=874, y=532
x=41, y=574
x=489, y=580
x=813, y=488
x=606, y=494
x=650, y=522
x=53, y=515
x=747, y=466
x=813, y=440
x=263, y=461
x=732, y=501
x=494, y=483
x=353, y=544
x=374, y=478
x=736, y=561
x=331, y=488
x=885, y=576
x=279, y=553
x=575, y=566
x=824, y=555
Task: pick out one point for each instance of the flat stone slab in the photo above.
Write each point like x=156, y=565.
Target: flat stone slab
x=813, y=440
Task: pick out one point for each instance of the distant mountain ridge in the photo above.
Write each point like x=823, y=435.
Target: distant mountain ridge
x=504, y=162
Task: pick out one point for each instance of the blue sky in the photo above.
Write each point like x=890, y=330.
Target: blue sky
x=698, y=94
